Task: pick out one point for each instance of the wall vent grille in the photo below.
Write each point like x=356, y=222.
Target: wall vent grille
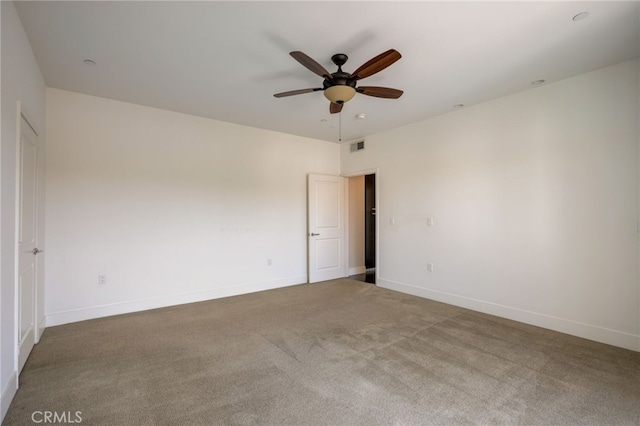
x=357, y=146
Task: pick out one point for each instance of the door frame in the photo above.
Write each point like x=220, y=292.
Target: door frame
x=373, y=171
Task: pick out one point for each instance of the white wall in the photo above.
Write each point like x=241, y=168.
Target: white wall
x=534, y=198
x=21, y=81
x=172, y=208
x=356, y=225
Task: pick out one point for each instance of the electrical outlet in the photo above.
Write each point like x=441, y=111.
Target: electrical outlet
x=102, y=279
x=430, y=267
x=269, y=262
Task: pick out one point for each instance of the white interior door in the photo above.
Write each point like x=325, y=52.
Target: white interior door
x=27, y=242
x=326, y=228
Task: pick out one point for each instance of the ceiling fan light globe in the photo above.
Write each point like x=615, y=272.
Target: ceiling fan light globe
x=339, y=94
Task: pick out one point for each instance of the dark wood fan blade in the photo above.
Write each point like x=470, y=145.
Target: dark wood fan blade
x=310, y=64
x=335, y=108
x=295, y=92
x=377, y=64
x=380, y=92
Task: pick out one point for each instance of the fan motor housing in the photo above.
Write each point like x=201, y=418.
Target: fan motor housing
x=340, y=78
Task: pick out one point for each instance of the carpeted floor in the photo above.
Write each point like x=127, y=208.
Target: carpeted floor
x=336, y=353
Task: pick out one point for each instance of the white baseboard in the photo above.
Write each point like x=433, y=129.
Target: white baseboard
x=574, y=328
x=357, y=270
x=100, y=311
x=7, y=394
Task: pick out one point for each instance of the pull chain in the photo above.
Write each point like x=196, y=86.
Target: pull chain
x=340, y=127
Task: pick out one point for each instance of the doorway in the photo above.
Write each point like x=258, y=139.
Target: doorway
x=370, y=222
x=27, y=283
x=362, y=227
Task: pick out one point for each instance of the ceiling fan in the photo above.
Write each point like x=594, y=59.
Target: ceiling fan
x=339, y=87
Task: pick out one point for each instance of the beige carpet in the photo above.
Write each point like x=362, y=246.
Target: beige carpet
x=336, y=353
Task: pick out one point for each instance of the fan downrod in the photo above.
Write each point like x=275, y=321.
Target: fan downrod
x=339, y=78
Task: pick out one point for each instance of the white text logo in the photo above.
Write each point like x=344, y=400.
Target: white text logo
x=56, y=417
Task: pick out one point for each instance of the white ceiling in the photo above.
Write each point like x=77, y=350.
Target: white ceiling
x=225, y=60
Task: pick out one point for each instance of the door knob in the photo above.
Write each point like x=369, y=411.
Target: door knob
x=36, y=251
x=314, y=235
